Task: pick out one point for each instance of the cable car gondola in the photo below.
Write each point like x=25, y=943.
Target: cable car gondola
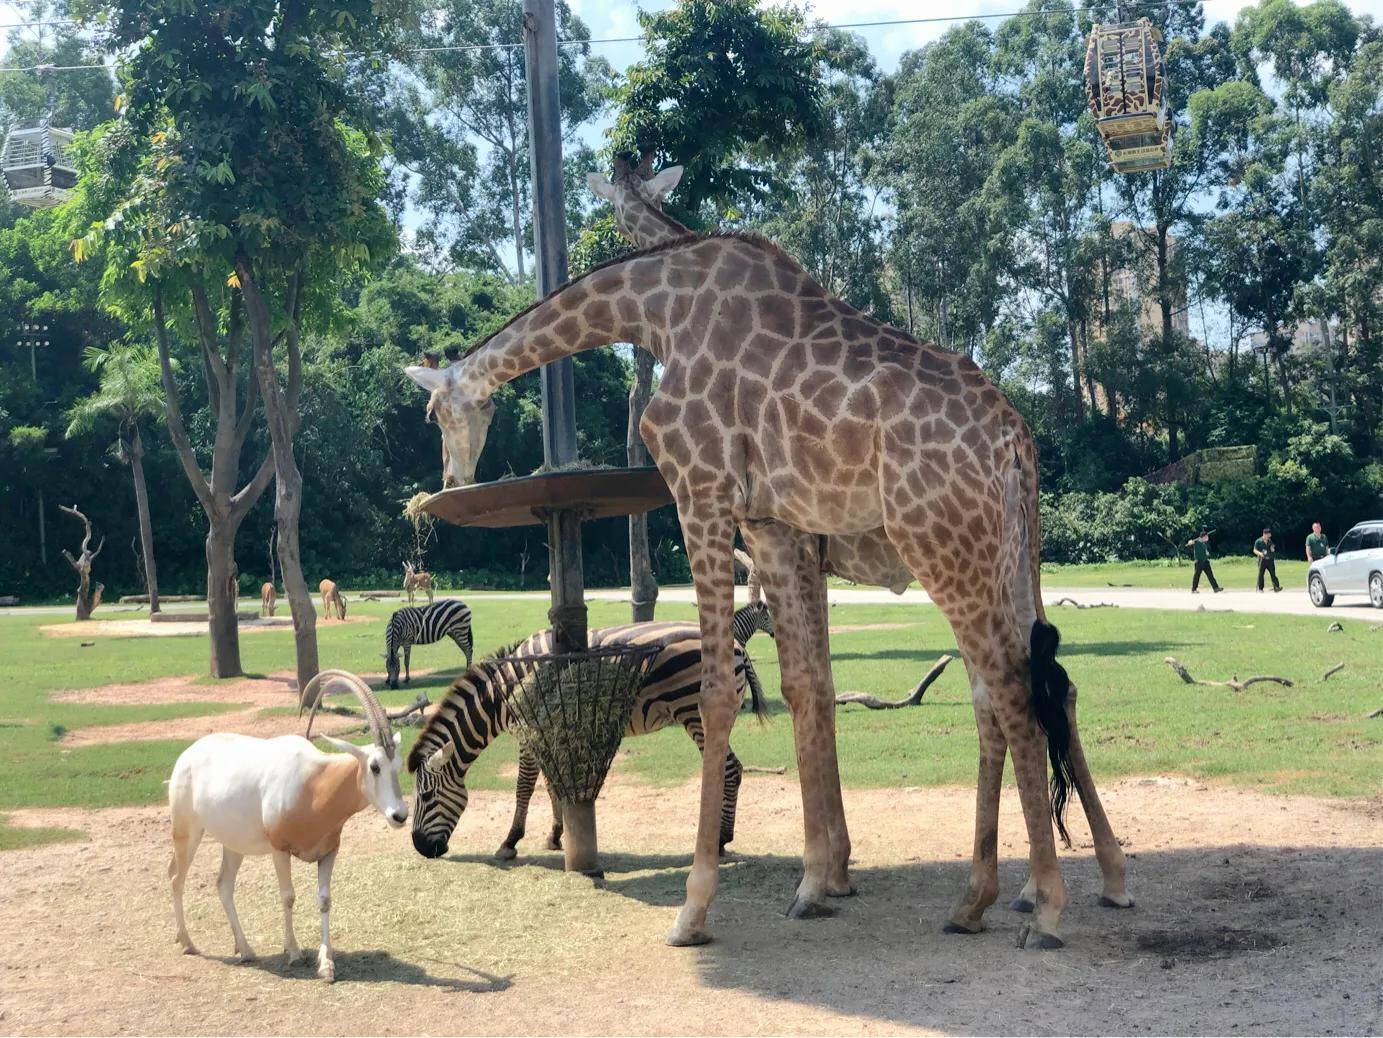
x=1125, y=81
x=36, y=166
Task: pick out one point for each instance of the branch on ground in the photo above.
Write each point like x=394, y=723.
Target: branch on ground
x=1375, y=713
x=1334, y=627
x=913, y=698
x=765, y=771
x=1233, y=682
x=1067, y=600
x=1333, y=670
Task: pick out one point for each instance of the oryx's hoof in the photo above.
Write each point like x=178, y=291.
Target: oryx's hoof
x=1116, y=901
x=1022, y=904
x=294, y=956
x=681, y=936
x=1031, y=937
x=803, y=908
x=327, y=971
x=506, y=853
x=244, y=956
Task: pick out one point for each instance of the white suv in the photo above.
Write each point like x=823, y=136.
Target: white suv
x=1355, y=566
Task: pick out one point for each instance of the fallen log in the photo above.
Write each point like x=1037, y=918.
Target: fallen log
x=1333, y=670
x=765, y=771
x=1233, y=682
x=912, y=699
x=1065, y=601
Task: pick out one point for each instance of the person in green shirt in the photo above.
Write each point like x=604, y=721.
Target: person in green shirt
x=1266, y=551
x=1200, y=550
x=1317, y=547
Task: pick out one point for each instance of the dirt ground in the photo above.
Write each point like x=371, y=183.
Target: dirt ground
x=254, y=695
x=1255, y=915
x=147, y=628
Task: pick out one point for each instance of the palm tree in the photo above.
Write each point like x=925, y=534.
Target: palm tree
x=130, y=391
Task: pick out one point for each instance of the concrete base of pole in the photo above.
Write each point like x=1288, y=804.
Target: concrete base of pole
x=579, y=838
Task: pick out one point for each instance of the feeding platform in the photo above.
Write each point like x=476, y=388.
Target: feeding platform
x=529, y=500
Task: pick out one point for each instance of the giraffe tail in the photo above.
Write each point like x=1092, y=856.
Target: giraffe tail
x=1051, y=687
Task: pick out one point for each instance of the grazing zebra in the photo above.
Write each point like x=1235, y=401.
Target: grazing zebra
x=473, y=713
x=413, y=625
x=747, y=621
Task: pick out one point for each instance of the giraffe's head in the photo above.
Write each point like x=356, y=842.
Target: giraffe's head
x=463, y=413
x=636, y=193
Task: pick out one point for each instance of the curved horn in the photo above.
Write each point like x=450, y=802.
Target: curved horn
x=377, y=719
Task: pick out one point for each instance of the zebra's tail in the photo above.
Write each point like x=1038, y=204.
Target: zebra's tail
x=757, y=703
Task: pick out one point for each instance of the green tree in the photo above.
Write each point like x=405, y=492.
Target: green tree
x=707, y=58
x=130, y=392
x=234, y=193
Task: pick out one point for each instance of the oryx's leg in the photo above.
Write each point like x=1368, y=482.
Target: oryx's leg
x=283, y=868
x=225, y=886
x=185, y=840
x=523, y=793
x=326, y=966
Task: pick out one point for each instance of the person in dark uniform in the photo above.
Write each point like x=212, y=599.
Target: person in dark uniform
x=1317, y=547
x=1266, y=551
x=1200, y=549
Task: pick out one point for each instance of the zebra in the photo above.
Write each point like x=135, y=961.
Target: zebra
x=473, y=713
x=414, y=625
x=748, y=621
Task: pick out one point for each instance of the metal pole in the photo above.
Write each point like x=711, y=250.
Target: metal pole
x=568, y=612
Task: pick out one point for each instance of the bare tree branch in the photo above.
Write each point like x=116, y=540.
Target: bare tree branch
x=177, y=431
x=913, y=698
x=1233, y=683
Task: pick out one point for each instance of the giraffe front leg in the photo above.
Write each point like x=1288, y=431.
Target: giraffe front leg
x=523, y=793
x=982, y=890
x=778, y=554
x=708, y=548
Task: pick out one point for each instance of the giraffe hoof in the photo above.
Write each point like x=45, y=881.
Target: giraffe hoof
x=690, y=937
x=801, y=908
x=554, y=843
x=1116, y=901
x=846, y=889
x=1029, y=936
x=1022, y=904
x=506, y=853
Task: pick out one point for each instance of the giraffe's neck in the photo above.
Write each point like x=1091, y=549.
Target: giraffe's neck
x=624, y=301
x=648, y=225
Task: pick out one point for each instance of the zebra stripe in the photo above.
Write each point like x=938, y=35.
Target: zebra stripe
x=749, y=620
x=414, y=625
x=473, y=713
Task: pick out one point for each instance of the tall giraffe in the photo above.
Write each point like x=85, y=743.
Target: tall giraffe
x=781, y=410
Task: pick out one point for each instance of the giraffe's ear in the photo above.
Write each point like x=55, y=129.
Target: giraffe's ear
x=661, y=185
x=600, y=186
x=431, y=379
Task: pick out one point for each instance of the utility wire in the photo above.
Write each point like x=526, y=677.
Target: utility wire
x=1151, y=6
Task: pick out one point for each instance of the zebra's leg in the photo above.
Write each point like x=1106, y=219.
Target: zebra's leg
x=463, y=642
x=523, y=793
x=734, y=775
x=407, y=664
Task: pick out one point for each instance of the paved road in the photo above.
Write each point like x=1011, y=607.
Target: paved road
x=1291, y=601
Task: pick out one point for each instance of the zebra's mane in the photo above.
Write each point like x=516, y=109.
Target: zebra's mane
x=434, y=732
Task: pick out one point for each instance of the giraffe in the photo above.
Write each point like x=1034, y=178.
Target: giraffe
x=783, y=410
x=636, y=194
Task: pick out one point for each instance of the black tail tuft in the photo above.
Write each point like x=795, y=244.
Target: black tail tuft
x=1050, y=689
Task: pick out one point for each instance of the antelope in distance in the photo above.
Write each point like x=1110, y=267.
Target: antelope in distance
x=268, y=599
x=333, y=602
x=415, y=580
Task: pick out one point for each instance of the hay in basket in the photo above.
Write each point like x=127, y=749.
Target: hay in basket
x=570, y=710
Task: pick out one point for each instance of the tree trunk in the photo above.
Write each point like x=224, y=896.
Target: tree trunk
x=222, y=591
x=642, y=584
x=281, y=412
x=146, y=530
x=1077, y=370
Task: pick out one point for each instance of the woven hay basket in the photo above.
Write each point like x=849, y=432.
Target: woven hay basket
x=570, y=710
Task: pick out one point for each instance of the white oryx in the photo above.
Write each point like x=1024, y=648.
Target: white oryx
x=282, y=797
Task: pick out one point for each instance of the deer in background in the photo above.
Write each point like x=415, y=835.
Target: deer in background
x=333, y=602
x=415, y=580
x=268, y=599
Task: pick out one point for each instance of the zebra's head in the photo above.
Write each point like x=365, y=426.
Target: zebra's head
x=462, y=725
x=391, y=667
x=762, y=619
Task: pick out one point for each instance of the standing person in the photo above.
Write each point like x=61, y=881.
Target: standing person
x=1317, y=547
x=1266, y=551
x=1200, y=548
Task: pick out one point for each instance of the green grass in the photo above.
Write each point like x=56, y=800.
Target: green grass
x=1136, y=716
